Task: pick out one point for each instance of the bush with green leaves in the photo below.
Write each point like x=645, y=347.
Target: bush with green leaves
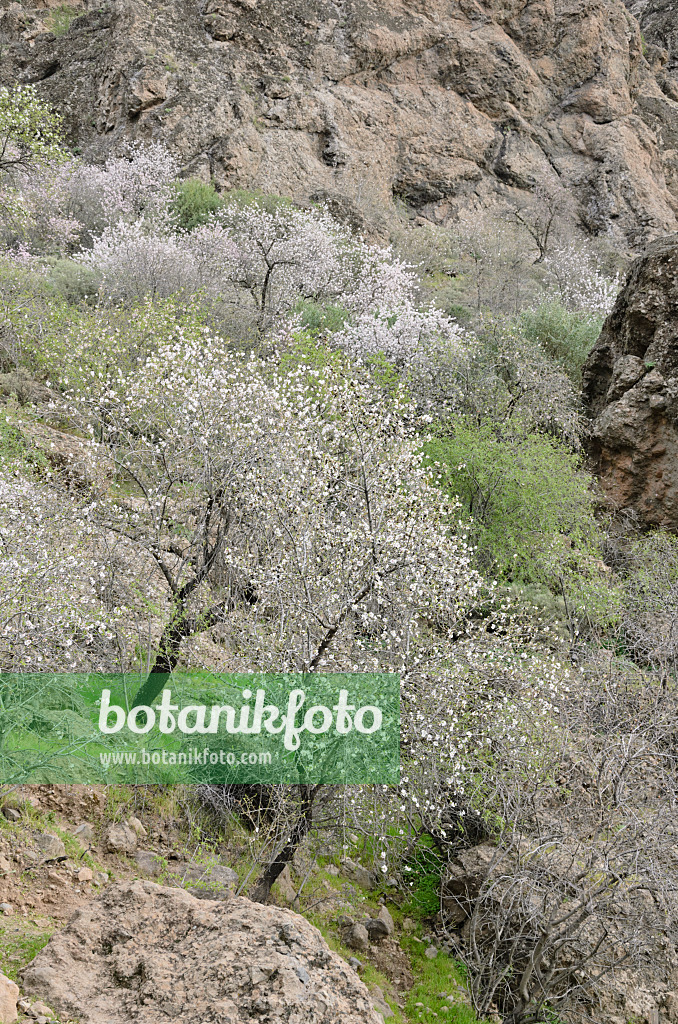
x=30, y=131
x=566, y=335
x=64, y=343
x=526, y=497
x=194, y=202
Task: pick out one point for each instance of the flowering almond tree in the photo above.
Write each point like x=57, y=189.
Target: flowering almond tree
x=290, y=513
x=293, y=511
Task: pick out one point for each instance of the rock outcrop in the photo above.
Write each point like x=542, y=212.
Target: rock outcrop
x=631, y=390
x=447, y=105
x=155, y=954
x=659, y=24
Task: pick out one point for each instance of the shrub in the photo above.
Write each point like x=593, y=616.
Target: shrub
x=133, y=261
x=526, y=497
x=319, y=318
x=565, y=335
x=193, y=203
x=30, y=132
x=60, y=19
x=73, y=281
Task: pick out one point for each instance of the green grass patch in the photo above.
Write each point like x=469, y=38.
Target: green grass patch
x=61, y=17
x=435, y=981
x=423, y=871
x=20, y=942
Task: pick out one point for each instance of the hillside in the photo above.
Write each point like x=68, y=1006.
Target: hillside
x=338, y=513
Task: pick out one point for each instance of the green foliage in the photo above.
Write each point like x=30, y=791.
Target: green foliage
x=307, y=350
x=73, y=281
x=60, y=19
x=435, y=980
x=17, y=451
x=239, y=198
x=564, y=335
x=194, y=202
x=525, y=495
x=30, y=131
x=317, y=318
x=20, y=942
x=63, y=343
x=423, y=872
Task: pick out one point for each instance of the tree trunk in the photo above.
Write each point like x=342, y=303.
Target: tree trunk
x=262, y=889
x=166, y=660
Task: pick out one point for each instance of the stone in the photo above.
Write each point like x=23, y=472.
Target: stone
x=630, y=383
x=465, y=875
x=206, y=881
x=9, y=995
x=11, y=813
x=49, y=846
x=431, y=952
x=333, y=870
x=204, y=960
x=120, y=838
x=7, y=909
x=85, y=833
x=285, y=886
x=385, y=916
x=357, y=873
x=358, y=937
x=409, y=925
x=355, y=963
x=149, y=863
x=100, y=878
x=84, y=875
x=379, y=1002
x=376, y=929
x=137, y=827
x=671, y=1007
x=5, y=866
x=42, y=1010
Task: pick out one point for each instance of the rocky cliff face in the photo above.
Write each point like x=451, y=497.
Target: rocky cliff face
x=631, y=389
x=445, y=104
x=658, y=21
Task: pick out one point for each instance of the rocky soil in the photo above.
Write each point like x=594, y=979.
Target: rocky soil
x=448, y=105
x=72, y=858
x=631, y=390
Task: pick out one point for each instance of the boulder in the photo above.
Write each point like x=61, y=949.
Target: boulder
x=386, y=918
x=357, y=873
x=206, y=881
x=9, y=994
x=465, y=876
x=358, y=937
x=149, y=863
x=49, y=846
x=376, y=929
x=631, y=391
x=147, y=952
x=85, y=833
x=120, y=838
